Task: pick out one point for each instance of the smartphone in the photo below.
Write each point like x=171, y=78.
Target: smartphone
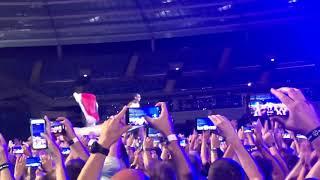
x=300, y=136
x=135, y=116
x=205, y=124
x=247, y=129
x=286, y=136
x=156, y=142
x=151, y=132
x=267, y=104
x=17, y=150
x=65, y=150
x=38, y=126
x=250, y=148
x=33, y=161
x=183, y=142
x=57, y=127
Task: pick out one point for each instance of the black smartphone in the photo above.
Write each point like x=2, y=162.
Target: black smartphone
x=267, y=104
x=135, y=116
x=37, y=127
x=204, y=124
x=17, y=150
x=57, y=127
x=33, y=161
x=151, y=132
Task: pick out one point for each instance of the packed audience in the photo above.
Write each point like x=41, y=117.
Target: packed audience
x=273, y=147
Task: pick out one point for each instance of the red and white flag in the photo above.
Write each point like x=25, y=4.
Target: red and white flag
x=89, y=106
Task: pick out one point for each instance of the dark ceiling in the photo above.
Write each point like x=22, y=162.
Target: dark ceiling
x=61, y=22
x=135, y=46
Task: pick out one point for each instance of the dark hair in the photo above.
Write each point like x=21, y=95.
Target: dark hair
x=224, y=168
x=164, y=170
x=74, y=168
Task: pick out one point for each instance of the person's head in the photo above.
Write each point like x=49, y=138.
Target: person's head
x=131, y=174
x=137, y=97
x=74, y=168
x=156, y=153
x=224, y=168
x=164, y=170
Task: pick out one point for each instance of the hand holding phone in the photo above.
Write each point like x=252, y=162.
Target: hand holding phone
x=151, y=132
x=57, y=127
x=136, y=116
x=163, y=123
x=38, y=127
x=17, y=150
x=204, y=124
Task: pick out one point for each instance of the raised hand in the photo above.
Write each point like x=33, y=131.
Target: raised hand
x=225, y=126
x=20, y=166
x=147, y=143
x=214, y=141
x=302, y=116
x=205, y=136
x=47, y=162
x=3, y=150
x=164, y=122
x=113, y=128
x=68, y=127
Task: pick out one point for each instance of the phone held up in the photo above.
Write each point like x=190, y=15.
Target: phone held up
x=204, y=124
x=33, y=161
x=57, y=127
x=37, y=127
x=136, y=116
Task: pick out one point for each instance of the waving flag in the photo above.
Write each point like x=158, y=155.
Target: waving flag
x=89, y=106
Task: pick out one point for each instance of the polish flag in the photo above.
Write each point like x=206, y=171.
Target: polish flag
x=89, y=106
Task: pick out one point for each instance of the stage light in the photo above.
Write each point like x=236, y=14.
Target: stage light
x=94, y=19
x=249, y=84
x=177, y=68
x=292, y=1
x=85, y=75
x=225, y=7
x=272, y=59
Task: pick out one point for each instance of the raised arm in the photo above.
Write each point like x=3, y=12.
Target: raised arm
x=245, y=159
x=214, y=147
x=165, y=126
x=204, y=154
x=268, y=140
x=6, y=172
x=302, y=115
x=112, y=130
x=55, y=151
x=77, y=148
x=147, y=159
x=314, y=171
